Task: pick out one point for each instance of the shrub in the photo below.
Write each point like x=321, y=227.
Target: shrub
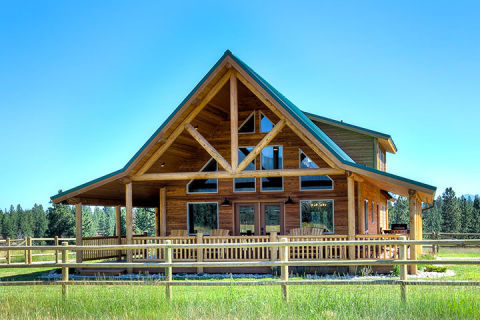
x=431, y=268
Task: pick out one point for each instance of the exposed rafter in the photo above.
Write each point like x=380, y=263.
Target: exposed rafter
x=234, y=120
x=181, y=127
x=262, y=144
x=208, y=147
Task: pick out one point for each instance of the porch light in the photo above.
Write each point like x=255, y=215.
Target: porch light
x=289, y=200
x=196, y=127
x=226, y=203
x=163, y=164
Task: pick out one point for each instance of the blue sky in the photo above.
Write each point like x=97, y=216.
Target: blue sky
x=84, y=84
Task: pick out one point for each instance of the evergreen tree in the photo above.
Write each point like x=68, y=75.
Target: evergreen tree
x=476, y=215
x=451, y=215
x=101, y=220
x=399, y=212
x=8, y=229
x=109, y=213
x=61, y=221
x=146, y=221
x=41, y=222
x=88, y=227
x=466, y=210
x=26, y=223
x=1, y=221
x=123, y=216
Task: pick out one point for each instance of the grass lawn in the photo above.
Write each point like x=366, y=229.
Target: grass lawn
x=468, y=252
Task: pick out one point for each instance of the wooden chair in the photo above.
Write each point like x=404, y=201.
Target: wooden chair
x=179, y=233
x=220, y=232
x=307, y=231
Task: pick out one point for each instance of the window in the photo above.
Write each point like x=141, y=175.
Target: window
x=313, y=182
x=317, y=214
x=365, y=215
x=202, y=217
x=373, y=212
x=265, y=124
x=245, y=184
x=248, y=126
x=272, y=159
x=205, y=185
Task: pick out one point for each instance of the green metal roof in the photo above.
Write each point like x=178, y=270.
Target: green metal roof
x=283, y=101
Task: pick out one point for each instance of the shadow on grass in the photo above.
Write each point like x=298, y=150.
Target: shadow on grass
x=27, y=276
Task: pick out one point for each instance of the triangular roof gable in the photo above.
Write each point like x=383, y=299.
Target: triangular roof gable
x=288, y=106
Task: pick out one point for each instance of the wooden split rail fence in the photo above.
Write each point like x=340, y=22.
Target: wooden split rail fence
x=28, y=255
x=284, y=246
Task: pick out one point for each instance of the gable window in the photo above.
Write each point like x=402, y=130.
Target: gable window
x=245, y=184
x=248, y=126
x=313, y=182
x=317, y=214
x=365, y=215
x=265, y=124
x=272, y=159
x=205, y=185
x=202, y=217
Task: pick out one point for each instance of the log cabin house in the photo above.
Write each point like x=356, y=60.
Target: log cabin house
x=238, y=156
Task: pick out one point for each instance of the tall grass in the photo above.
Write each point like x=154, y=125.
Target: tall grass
x=309, y=302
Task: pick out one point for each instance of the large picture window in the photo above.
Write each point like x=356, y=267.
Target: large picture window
x=317, y=214
x=205, y=185
x=313, y=182
x=202, y=217
x=272, y=159
x=245, y=184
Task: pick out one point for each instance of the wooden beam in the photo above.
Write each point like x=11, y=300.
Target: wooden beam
x=163, y=212
x=78, y=226
x=234, y=121
x=351, y=218
x=208, y=147
x=157, y=222
x=118, y=228
x=413, y=228
x=262, y=144
x=290, y=122
x=181, y=127
x=129, y=235
x=361, y=208
x=241, y=174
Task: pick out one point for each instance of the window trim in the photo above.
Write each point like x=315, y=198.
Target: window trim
x=201, y=202
x=261, y=184
x=254, y=124
x=300, y=178
x=320, y=200
x=373, y=212
x=204, y=166
x=255, y=164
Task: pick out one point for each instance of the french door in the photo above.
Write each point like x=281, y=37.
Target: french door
x=258, y=218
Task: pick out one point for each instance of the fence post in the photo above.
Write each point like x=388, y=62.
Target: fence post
x=56, y=251
x=438, y=238
x=64, y=270
x=30, y=256
x=199, y=251
x=168, y=271
x=403, y=269
x=26, y=251
x=273, y=250
x=284, y=269
x=8, y=252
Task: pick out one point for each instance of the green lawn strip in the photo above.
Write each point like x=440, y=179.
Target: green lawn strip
x=265, y=302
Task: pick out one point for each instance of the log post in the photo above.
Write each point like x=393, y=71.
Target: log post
x=8, y=252
x=284, y=269
x=168, y=271
x=30, y=256
x=351, y=220
x=57, y=259
x=273, y=250
x=234, y=121
x=199, y=251
x=129, y=236
x=157, y=222
x=360, y=208
x=78, y=230
x=118, y=229
x=403, y=268
x=413, y=229
x=65, y=270
x=163, y=212
x=26, y=250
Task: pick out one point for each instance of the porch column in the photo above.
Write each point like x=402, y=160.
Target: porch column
x=351, y=218
x=414, y=232
x=78, y=230
x=157, y=222
x=118, y=228
x=163, y=212
x=360, y=208
x=129, y=235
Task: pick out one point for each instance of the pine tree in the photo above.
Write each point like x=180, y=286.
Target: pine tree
x=466, y=214
x=399, y=212
x=88, y=227
x=61, y=221
x=41, y=222
x=146, y=221
x=8, y=229
x=109, y=213
x=101, y=220
x=451, y=215
x=1, y=220
x=476, y=215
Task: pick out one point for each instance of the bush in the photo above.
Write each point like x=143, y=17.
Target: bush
x=395, y=271
x=431, y=268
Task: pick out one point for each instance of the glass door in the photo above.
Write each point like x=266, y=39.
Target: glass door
x=271, y=219
x=246, y=215
x=250, y=221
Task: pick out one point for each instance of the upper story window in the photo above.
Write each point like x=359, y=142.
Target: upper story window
x=265, y=124
x=381, y=160
x=245, y=184
x=313, y=182
x=205, y=185
x=248, y=126
x=272, y=159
